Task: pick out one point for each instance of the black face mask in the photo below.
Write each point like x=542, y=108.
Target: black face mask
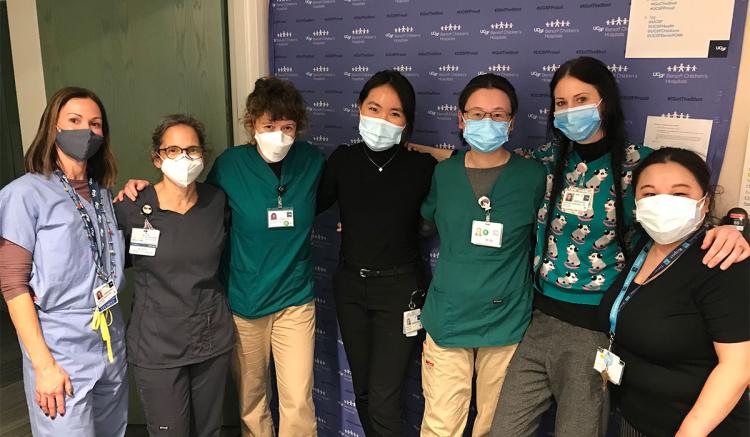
x=79, y=144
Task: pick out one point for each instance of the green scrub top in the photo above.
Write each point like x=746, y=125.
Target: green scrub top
x=267, y=270
x=481, y=296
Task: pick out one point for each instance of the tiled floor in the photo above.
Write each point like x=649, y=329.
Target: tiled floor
x=14, y=419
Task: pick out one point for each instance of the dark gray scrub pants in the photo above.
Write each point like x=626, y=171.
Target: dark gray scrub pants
x=184, y=401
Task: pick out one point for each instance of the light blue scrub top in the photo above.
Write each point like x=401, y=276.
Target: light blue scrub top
x=38, y=215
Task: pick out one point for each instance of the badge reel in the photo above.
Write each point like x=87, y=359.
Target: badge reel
x=280, y=217
x=412, y=318
x=486, y=233
x=144, y=241
x=609, y=365
x=577, y=200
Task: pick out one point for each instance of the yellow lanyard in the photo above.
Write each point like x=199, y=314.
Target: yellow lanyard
x=101, y=322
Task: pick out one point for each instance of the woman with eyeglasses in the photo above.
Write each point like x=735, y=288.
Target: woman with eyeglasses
x=483, y=203
x=180, y=333
x=585, y=233
x=270, y=185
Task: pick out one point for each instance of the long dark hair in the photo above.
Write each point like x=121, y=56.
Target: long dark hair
x=403, y=89
x=686, y=158
x=42, y=154
x=593, y=72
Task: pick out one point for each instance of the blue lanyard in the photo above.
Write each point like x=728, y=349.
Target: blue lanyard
x=105, y=233
x=625, y=296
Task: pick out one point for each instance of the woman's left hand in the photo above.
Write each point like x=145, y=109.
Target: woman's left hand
x=727, y=246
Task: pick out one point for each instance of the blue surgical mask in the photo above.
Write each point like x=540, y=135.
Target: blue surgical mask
x=579, y=123
x=486, y=135
x=378, y=134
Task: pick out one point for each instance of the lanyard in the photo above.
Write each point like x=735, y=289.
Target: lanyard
x=626, y=295
x=105, y=233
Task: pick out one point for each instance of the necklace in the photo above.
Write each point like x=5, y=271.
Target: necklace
x=380, y=167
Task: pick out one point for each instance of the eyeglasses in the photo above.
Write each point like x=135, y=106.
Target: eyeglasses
x=478, y=114
x=172, y=152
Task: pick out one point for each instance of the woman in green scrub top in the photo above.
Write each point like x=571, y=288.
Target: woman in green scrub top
x=483, y=203
x=271, y=187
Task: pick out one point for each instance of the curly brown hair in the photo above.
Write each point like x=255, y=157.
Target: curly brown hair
x=279, y=99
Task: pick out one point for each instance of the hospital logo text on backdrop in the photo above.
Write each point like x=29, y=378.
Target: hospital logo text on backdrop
x=360, y=35
x=449, y=32
x=500, y=30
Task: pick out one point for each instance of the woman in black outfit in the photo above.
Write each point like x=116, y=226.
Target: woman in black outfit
x=379, y=186
x=680, y=328
x=181, y=332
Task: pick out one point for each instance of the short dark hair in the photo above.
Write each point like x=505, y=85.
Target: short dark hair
x=279, y=99
x=177, y=120
x=489, y=81
x=688, y=159
x=403, y=89
x=42, y=154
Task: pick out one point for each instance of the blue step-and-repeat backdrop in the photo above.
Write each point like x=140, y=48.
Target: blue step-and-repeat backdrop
x=329, y=48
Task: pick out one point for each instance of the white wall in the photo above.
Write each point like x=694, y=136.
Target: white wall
x=731, y=170
x=27, y=66
x=248, y=54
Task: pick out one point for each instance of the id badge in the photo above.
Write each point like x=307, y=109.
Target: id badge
x=144, y=241
x=412, y=322
x=485, y=233
x=611, y=363
x=577, y=200
x=105, y=296
x=280, y=218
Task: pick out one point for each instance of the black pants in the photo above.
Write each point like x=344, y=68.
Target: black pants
x=370, y=313
x=184, y=401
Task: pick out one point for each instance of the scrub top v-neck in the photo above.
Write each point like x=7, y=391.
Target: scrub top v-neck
x=268, y=270
x=481, y=296
x=180, y=312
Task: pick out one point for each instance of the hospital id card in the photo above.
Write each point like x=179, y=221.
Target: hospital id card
x=577, y=200
x=412, y=322
x=484, y=233
x=280, y=218
x=609, y=365
x=105, y=296
x=144, y=241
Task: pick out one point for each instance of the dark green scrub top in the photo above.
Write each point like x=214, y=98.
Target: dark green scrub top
x=267, y=270
x=481, y=296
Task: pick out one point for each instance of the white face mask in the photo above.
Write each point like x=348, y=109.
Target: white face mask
x=274, y=145
x=182, y=170
x=667, y=218
x=379, y=134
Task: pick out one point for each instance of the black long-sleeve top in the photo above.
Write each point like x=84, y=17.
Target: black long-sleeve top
x=379, y=210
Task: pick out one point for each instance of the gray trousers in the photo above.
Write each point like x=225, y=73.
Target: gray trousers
x=183, y=401
x=553, y=361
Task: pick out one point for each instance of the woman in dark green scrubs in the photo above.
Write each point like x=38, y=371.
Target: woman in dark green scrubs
x=484, y=204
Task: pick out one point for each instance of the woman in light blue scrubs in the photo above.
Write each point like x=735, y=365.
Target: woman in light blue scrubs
x=59, y=218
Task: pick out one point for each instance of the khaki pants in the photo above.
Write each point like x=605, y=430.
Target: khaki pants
x=290, y=336
x=446, y=383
